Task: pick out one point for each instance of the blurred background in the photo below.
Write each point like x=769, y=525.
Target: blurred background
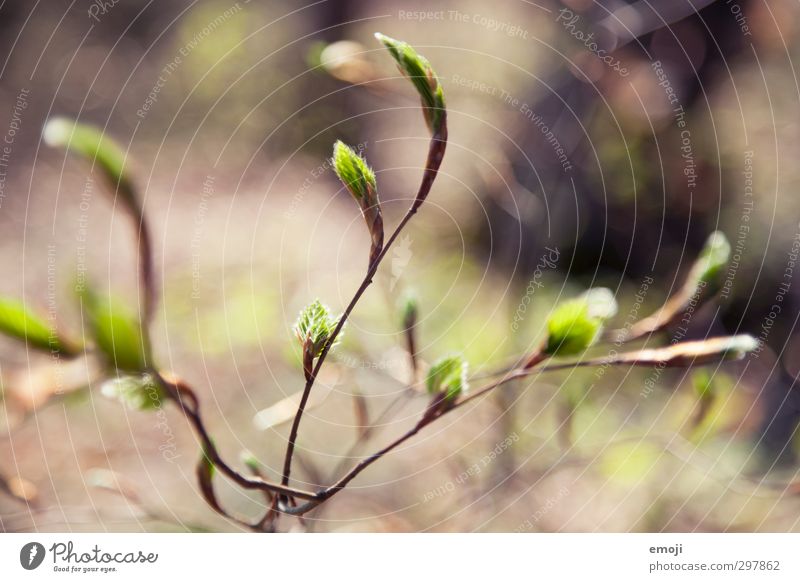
x=591, y=143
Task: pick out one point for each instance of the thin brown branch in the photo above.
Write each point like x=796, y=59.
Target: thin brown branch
x=188, y=403
x=205, y=479
x=423, y=422
x=387, y=413
x=667, y=357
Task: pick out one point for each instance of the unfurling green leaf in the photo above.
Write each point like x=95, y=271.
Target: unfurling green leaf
x=417, y=68
x=448, y=376
x=20, y=323
x=710, y=263
x=354, y=172
x=314, y=328
x=136, y=392
x=704, y=280
x=101, y=151
x=116, y=332
x=575, y=325
x=94, y=145
x=359, y=179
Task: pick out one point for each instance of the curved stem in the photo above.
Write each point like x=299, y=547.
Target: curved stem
x=188, y=403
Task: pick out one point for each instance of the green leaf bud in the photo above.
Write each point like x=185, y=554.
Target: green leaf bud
x=417, y=68
x=575, y=325
x=18, y=322
x=314, y=328
x=359, y=179
x=448, y=375
x=116, y=332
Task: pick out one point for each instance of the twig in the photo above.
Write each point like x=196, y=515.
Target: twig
x=436, y=151
x=387, y=413
x=654, y=357
x=426, y=420
x=188, y=403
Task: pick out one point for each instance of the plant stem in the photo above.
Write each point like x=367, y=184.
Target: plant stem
x=522, y=371
x=180, y=392
x=411, y=348
x=146, y=271
x=329, y=492
x=435, y=156
x=384, y=416
x=287, y=465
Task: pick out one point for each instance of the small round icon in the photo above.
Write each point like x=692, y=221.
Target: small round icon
x=31, y=555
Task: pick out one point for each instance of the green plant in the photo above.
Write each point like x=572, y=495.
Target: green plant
x=121, y=339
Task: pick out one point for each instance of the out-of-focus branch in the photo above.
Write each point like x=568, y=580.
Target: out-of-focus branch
x=188, y=403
